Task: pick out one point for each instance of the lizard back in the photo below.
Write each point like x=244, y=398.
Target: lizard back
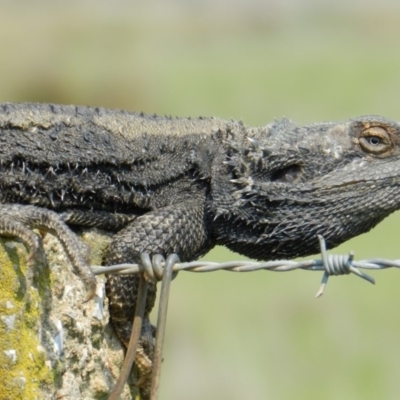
x=65, y=157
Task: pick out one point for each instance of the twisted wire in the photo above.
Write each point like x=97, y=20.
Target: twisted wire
x=330, y=264
x=157, y=268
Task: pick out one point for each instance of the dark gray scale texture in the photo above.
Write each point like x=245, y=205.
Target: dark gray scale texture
x=184, y=185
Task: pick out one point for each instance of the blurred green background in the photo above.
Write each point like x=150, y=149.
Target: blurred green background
x=261, y=335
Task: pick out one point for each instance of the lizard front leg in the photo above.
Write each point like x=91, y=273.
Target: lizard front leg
x=182, y=229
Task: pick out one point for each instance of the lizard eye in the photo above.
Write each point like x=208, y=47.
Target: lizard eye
x=375, y=140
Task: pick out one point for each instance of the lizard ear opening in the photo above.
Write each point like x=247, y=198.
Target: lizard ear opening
x=289, y=174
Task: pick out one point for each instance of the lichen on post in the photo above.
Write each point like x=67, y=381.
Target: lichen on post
x=52, y=344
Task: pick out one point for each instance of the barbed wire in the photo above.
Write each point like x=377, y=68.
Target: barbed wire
x=330, y=264
x=158, y=268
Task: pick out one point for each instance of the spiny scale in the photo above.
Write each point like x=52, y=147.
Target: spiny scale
x=177, y=185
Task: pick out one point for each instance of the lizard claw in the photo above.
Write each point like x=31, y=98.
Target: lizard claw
x=18, y=221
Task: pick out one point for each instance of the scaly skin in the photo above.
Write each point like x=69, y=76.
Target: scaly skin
x=184, y=185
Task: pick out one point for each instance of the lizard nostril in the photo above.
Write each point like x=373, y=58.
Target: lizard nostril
x=289, y=174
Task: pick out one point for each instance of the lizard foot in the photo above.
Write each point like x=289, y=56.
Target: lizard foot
x=18, y=221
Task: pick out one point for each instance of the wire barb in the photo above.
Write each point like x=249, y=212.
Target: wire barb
x=337, y=265
x=328, y=264
x=157, y=268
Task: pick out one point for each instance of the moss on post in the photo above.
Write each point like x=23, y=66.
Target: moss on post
x=52, y=344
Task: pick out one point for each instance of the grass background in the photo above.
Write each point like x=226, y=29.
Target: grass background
x=238, y=336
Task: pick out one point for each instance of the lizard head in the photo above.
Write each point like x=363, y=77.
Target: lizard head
x=284, y=184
